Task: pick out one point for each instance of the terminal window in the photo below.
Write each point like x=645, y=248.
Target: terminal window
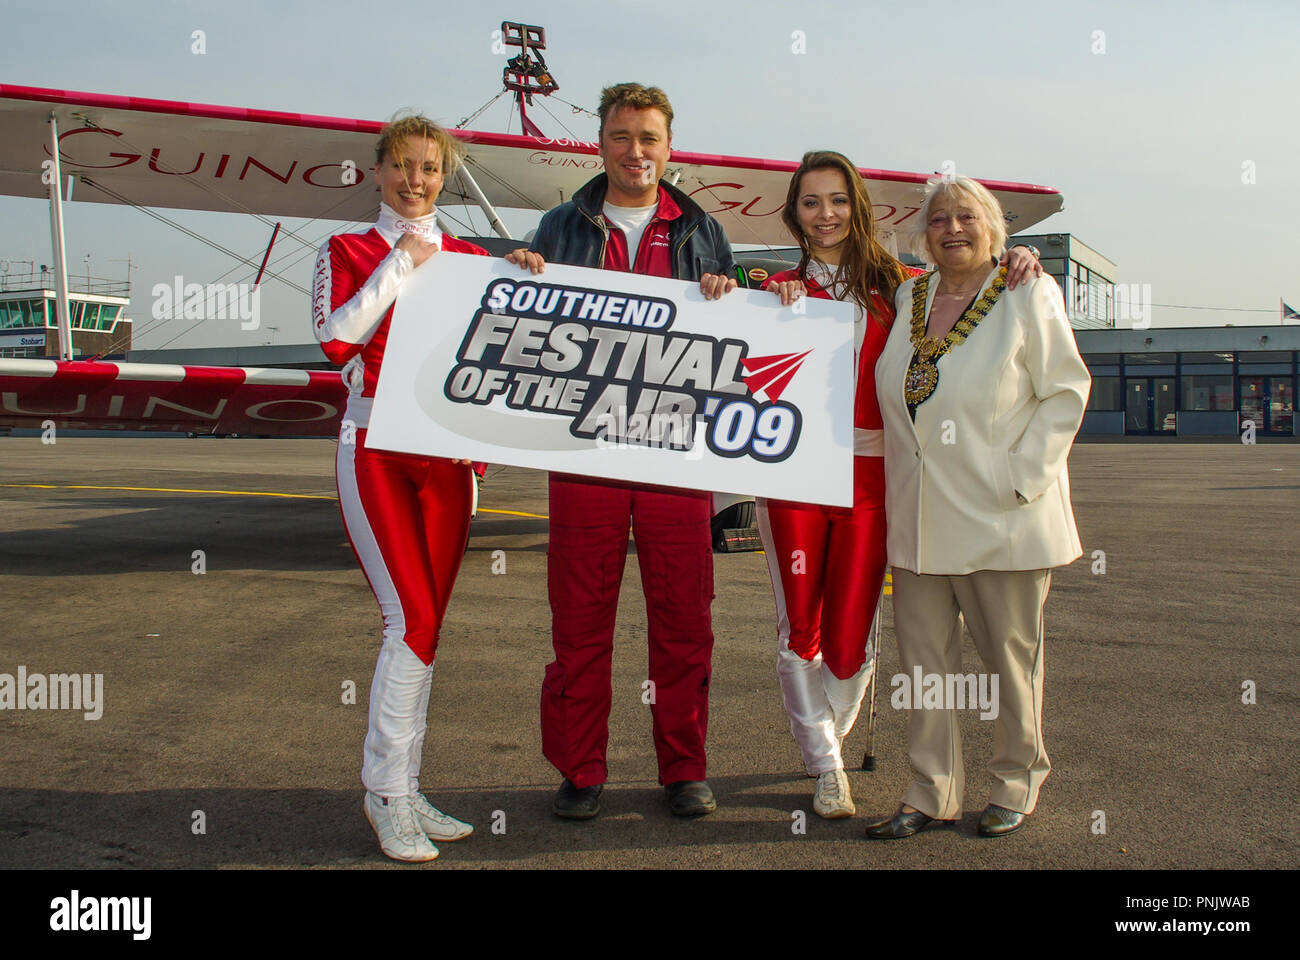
x=1207, y=392
x=21, y=313
x=1106, y=394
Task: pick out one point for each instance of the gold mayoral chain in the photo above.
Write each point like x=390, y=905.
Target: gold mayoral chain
x=923, y=372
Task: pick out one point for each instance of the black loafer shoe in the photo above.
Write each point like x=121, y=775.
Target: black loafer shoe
x=690, y=798
x=902, y=825
x=999, y=821
x=574, y=803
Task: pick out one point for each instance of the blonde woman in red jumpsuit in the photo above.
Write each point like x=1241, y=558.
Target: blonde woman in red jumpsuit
x=407, y=517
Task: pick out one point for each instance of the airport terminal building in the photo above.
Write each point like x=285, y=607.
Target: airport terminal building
x=1191, y=381
x=1086, y=278
x=1168, y=381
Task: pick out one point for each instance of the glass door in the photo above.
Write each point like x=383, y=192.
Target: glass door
x=1281, y=405
x=1252, y=402
x=1164, y=409
x=1269, y=402
x=1150, y=405
x=1137, y=405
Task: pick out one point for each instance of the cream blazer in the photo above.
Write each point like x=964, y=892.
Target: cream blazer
x=1001, y=422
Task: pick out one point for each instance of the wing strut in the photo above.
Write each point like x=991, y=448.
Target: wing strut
x=482, y=200
x=56, y=239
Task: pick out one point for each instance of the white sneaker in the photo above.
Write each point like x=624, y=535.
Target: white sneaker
x=832, y=799
x=436, y=824
x=395, y=825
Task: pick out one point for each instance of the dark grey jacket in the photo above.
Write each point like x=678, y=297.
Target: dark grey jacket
x=576, y=233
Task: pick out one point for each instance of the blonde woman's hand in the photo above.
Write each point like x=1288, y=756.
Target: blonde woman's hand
x=415, y=248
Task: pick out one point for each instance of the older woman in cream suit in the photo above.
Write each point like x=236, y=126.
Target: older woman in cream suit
x=982, y=390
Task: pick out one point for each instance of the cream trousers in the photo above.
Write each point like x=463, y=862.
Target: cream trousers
x=1004, y=611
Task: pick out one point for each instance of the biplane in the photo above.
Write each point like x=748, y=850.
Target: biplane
x=266, y=164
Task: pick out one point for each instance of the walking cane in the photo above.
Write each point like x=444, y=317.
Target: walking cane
x=869, y=758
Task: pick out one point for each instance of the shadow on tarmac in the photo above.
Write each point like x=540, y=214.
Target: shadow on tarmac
x=152, y=829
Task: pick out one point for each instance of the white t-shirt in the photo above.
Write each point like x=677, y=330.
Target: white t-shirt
x=632, y=221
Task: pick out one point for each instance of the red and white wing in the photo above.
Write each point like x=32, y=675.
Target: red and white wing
x=101, y=395
x=746, y=195
x=164, y=153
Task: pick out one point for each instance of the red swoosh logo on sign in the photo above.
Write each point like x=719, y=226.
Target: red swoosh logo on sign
x=769, y=376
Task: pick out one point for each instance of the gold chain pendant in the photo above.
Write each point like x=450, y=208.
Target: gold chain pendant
x=923, y=372
x=922, y=378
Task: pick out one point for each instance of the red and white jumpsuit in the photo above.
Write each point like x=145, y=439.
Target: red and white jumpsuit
x=828, y=565
x=407, y=517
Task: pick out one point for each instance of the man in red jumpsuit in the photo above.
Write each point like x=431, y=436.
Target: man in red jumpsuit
x=625, y=219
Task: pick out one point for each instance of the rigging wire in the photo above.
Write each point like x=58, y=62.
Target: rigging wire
x=573, y=135
x=298, y=255
x=474, y=116
x=469, y=210
x=187, y=231
x=529, y=202
x=576, y=108
x=469, y=227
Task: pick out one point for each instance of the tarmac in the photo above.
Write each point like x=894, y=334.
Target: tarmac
x=228, y=739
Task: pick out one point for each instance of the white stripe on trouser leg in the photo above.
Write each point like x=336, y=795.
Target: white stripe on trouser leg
x=366, y=545
x=845, y=696
x=812, y=721
x=397, y=686
x=396, y=721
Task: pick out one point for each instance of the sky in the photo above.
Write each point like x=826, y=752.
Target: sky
x=1169, y=127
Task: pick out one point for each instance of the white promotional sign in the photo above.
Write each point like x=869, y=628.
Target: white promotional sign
x=621, y=376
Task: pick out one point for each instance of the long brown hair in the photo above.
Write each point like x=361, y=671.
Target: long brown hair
x=865, y=263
